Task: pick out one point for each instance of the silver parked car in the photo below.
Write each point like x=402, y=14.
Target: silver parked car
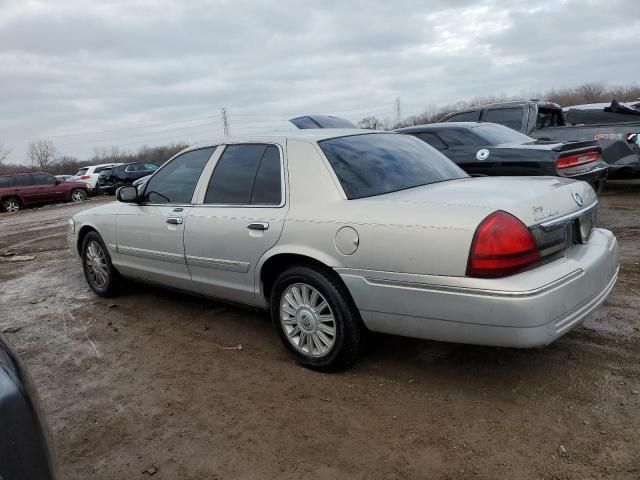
x=340, y=231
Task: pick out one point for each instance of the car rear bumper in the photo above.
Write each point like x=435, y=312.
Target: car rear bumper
x=530, y=309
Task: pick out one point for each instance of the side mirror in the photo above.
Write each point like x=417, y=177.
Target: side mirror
x=127, y=194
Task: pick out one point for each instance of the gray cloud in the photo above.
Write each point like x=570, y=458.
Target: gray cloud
x=127, y=73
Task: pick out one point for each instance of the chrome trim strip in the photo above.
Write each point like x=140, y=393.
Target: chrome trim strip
x=217, y=263
x=476, y=291
x=151, y=254
x=556, y=222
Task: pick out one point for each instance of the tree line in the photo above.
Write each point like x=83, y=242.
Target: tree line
x=43, y=156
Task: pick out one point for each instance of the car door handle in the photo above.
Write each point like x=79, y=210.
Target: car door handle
x=258, y=226
x=175, y=220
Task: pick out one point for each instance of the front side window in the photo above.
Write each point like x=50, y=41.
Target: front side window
x=509, y=117
x=43, y=179
x=247, y=174
x=375, y=164
x=176, y=182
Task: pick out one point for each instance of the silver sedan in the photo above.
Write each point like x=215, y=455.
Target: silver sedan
x=337, y=232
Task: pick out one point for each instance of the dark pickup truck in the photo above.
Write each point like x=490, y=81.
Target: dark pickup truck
x=546, y=121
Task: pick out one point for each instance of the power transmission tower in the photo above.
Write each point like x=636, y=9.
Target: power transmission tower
x=226, y=125
x=398, y=110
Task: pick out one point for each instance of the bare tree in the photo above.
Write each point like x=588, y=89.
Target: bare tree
x=592, y=92
x=42, y=153
x=371, y=123
x=4, y=152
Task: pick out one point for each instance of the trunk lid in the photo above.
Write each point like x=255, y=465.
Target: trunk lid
x=533, y=200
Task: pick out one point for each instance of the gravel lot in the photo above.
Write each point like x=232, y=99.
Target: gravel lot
x=142, y=382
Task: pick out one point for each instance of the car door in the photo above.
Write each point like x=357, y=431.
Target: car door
x=149, y=235
x=26, y=189
x=47, y=188
x=239, y=216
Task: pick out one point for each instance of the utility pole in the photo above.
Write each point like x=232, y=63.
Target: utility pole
x=398, y=111
x=225, y=123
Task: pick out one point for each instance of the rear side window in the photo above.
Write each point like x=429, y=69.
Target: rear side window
x=5, y=182
x=374, y=164
x=176, y=182
x=509, y=117
x=460, y=137
x=432, y=139
x=22, y=180
x=246, y=175
x=472, y=116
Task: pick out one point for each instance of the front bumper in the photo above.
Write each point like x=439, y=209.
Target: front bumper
x=529, y=309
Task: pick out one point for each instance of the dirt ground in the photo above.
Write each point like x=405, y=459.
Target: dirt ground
x=142, y=382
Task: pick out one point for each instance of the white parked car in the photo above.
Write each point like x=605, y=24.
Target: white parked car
x=90, y=174
x=339, y=231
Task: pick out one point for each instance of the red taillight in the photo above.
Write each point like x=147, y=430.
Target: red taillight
x=577, y=159
x=502, y=246
x=84, y=177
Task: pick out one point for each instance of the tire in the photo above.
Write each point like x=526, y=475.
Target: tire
x=11, y=205
x=313, y=346
x=100, y=274
x=78, y=195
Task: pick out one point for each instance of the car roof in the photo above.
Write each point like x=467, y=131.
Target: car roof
x=439, y=126
x=312, y=135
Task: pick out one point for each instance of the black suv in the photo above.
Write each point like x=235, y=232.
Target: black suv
x=120, y=175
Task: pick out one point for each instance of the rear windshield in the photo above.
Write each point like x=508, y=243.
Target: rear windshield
x=496, y=134
x=374, y=164
x=81, y=172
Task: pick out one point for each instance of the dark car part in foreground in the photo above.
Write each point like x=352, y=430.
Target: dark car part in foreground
x=112, y=178
x=24, y=444
x=23, y=189
x=546, y=121
x=495, y=150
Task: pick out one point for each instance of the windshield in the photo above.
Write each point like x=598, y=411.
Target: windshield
x=498, y=134
x=374, y=164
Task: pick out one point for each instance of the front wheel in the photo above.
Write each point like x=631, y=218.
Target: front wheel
x=78, y=195
x=316, y=318
x=101, y=276
x=11, y=205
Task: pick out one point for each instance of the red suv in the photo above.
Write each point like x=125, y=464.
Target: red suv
x=21, y=189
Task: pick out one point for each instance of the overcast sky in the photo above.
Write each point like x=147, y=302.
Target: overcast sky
x=98, y=73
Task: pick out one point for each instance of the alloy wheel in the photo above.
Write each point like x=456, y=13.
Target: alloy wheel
x=78, y=196
x=96, y=261
x=12, y=206
x=307, y=320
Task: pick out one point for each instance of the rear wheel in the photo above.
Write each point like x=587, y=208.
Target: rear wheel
x=78, y=195
x=11, y=205
x=316, y=318
x=101, y=276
